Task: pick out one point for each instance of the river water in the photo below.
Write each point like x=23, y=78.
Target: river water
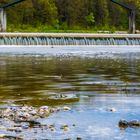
x=98, y=83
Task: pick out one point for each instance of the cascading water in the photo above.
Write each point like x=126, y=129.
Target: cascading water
x=67, y=41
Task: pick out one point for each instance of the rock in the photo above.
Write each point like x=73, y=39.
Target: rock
x=58, y=109
x=123, y=124
x=62, y=127
x=65, y=127
x=66, y=108
x=111, y=110
x=44, y=108
x=24, y=115
x=33, y=112
x=11, y=129
x=18, y=130
x=78, y=138
x=51, y=126
x=14, y=129
x=63, y=97
x=34, y=123
x=60, y=96
x=25, y=127
x=12, y=137
x=52, y=129
x=134, y=124
x=24, y=108
x=17, y=125
x=84, y=96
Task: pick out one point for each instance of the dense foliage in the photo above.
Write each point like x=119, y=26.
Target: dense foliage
x=44, y=15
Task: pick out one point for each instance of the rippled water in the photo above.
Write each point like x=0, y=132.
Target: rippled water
x=99, y=84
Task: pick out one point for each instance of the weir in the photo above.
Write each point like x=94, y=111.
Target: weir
x=68, y=39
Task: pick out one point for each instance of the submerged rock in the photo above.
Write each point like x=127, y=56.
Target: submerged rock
x=11, y=129
x=125, y=124
x=64, y=97
x=111, y=110
x=51, y=127
x=18, y=130
x=4, y=136
x=78, y=138
x=134, y=124
x=25, y=127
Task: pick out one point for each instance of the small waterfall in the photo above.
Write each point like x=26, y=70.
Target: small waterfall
x=38, y=40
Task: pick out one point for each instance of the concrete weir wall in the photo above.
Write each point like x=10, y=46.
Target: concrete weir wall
x=68, y=39
x=70, y=35
x=13, y=47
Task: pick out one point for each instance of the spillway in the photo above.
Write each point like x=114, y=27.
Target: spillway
x=50, y=39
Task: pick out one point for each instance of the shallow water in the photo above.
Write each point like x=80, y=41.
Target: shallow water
x=99, y=83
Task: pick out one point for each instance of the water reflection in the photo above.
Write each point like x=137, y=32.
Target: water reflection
x=31, y=77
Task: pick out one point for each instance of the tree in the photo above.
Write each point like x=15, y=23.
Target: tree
x=71, y=13
x=90, y=19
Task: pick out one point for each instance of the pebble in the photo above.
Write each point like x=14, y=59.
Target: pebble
x=78, y=138
x=111, y=110
x=25, y=127
x=11, y=129
x=66, y=108
x=19, y=130
x=52, y=129
x=74, y=125
x=51, y=126
x=14, y=129
x=123, y=124
x=33, y=112
x=17, y=125
x=65, y=127
x=44, y=108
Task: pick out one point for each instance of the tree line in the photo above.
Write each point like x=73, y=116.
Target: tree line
x=71, y=14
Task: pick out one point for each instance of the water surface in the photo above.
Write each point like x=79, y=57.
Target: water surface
x=99, y=84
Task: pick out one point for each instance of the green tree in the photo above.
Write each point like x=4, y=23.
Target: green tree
x=90, y=19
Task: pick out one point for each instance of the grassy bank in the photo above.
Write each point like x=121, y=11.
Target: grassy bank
x=62, y=29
